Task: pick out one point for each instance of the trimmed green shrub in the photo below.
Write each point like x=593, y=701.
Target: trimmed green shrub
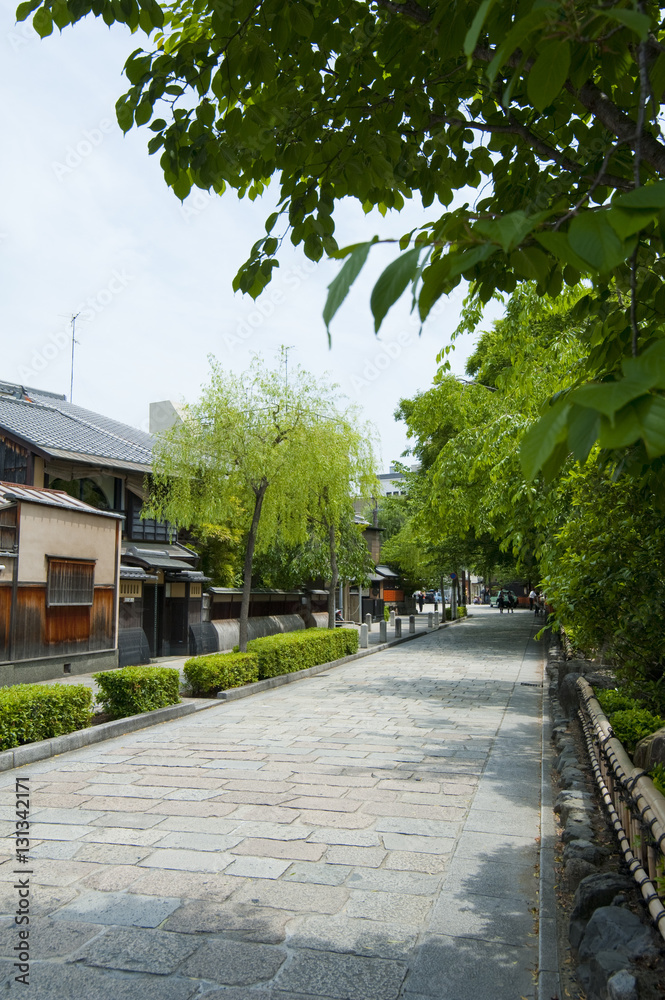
x=133, y=690
x=290, y=651
x=219, y=671
x=461, y=612
x=612, y=700
x=32, y=712
x=632, y=725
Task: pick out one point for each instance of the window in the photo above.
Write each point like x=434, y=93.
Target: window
x=70, y=581
x=13, y=462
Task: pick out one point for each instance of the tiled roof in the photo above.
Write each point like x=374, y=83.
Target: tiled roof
x=64, y=430
x=11, y=492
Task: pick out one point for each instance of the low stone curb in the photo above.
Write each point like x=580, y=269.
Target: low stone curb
x=43, y=749
x=234, y=694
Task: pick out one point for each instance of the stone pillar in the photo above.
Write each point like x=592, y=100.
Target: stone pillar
x=412, y=623
x=437, y=620
x=398, y=628
x=430, y=620
x=368, y=621
x=363, y=637
x=383, y=631
x=392, y=618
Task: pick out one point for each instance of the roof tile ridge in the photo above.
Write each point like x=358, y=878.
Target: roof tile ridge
x=85, y=423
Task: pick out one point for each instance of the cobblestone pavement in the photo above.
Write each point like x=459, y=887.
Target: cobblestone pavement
x=370, y=833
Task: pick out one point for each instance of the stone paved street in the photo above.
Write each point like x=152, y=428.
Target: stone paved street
x=370, y=833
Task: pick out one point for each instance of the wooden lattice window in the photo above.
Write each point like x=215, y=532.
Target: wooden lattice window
x=70, y=581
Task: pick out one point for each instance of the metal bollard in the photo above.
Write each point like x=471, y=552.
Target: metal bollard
x=363, y=637
x=412, y=623
x=430, y=620
x=392, y=618
x=368, y=621
x=383, y=631
x=437, y=619
x=398, y=628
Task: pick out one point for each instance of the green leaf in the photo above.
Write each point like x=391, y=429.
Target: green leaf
x=592, y=237
x=646, y=197
x=25, y=9
x=509, y=230
x=392, y=283
x=633, y=19
x=339, y=287
x=473, y=33
x=541, y=440
x=439, y=277
x=649, y=368
x=557, y=244
x=124, y=114
x=520, y=31
x=301, y=19
x=583, y=430
x=651, y=415
x=627, y=223
x=623, y=431
x=43, y=22
x=548, y=74
x=608, y=397
x=554, y=462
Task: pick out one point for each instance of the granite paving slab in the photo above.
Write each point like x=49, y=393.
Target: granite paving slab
x=370, y=833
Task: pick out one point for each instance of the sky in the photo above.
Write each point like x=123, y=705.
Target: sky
x=88, y=226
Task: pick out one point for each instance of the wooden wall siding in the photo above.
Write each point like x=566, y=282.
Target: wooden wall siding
x=103, y=615
x=194, y=611
x=131, y=613
x=67, y=626
x=28, y=623
x=5, y=619
x=8, y=529
x=41, y=631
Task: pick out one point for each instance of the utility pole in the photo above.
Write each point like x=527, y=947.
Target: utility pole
x=74, y=341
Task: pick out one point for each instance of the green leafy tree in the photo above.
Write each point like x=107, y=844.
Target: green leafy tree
x=548, y=110
x=247, y=444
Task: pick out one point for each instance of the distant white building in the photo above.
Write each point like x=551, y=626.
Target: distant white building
x=393, y=483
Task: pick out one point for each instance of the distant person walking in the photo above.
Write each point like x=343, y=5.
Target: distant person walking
x=501, y=601
x=512, y=601
x=421, y=601
x=532, y=597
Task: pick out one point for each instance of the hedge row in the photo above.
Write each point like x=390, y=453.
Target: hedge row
x=133, y=690
x=219, y=671
x=32, y=712
x=629, y=719
x=291, y=651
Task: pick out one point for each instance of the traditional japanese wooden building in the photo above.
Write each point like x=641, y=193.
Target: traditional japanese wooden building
x=47, y=442
x=59, y=576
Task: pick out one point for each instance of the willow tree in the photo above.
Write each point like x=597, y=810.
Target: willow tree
x=249, y=444
x=342, y=469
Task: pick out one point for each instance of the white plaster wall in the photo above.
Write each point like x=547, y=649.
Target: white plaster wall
x=54, y=532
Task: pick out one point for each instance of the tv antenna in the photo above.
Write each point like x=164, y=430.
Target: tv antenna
x=74, y=341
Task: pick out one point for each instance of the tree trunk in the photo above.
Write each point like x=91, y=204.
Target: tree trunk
x=247, y=569
x=334, y=577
